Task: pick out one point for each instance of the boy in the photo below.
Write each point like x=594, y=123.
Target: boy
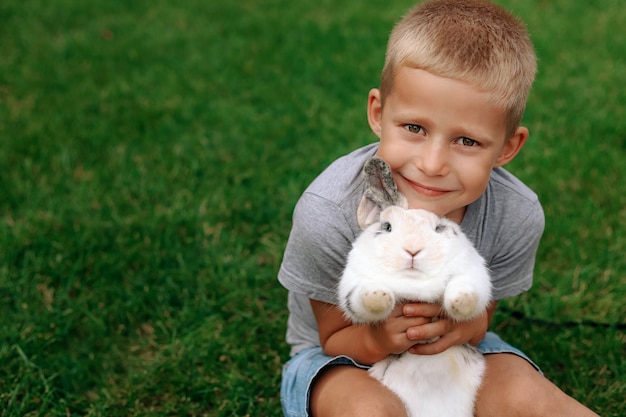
x=447, y=114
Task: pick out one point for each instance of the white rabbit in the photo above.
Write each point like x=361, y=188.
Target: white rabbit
x=414, y=255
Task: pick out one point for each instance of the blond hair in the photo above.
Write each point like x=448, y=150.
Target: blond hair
x=472, y=41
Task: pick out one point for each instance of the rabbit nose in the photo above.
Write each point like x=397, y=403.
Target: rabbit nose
x=412, y=252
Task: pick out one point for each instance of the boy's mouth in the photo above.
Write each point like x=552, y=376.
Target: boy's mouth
x=426, y=190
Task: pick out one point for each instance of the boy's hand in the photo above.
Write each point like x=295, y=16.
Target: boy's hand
x=449, y=332
x=391, y=335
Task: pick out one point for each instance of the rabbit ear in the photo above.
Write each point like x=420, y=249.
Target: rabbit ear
x=381, y=192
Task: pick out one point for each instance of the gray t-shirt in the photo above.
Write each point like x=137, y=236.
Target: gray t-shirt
x=505, y=224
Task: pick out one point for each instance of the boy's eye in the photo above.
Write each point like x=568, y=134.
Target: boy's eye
x=417, y=129
x=467, y=142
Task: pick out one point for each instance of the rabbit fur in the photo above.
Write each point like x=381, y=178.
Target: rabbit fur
x=414, y=255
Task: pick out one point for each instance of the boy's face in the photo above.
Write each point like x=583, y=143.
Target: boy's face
x=441, y=138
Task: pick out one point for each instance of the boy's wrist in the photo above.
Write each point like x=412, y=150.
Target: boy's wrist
x=357, y=342
x=375, y=350
x=482, y=325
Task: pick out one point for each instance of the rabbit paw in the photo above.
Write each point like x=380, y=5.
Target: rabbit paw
x=462, y=306
x=377, y=302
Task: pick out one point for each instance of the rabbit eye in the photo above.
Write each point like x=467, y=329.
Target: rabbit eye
x=386, y=226
x=442, y=227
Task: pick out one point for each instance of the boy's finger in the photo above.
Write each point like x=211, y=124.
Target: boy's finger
x=421, y=310
x=438, y=346
x=428, y=331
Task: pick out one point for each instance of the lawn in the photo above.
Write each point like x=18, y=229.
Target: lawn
x=152, y=154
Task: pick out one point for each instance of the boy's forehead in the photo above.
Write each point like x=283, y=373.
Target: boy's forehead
x=410, y=82
x=408, y=72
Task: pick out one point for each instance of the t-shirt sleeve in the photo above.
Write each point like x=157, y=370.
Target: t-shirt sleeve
x=316, y=251
x=513, y=262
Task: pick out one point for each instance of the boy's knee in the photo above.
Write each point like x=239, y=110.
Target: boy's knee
x=512, y=387
x=376, y=407
x=348, y=391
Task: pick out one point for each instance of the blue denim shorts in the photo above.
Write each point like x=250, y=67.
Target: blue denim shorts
x=300, y=371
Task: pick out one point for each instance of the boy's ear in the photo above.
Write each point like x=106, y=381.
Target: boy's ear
x=375, y=111
x=512, y=147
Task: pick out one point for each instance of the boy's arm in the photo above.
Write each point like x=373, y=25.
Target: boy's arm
x=365, y=343
x=407, y=325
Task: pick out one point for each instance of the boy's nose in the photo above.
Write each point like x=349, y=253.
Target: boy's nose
x=433, y=161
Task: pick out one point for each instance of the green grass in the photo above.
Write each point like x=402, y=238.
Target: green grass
x=152, y=153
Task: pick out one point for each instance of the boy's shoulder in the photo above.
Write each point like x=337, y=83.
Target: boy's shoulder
x=507, y=206
x=504, y=185
x=342, y=179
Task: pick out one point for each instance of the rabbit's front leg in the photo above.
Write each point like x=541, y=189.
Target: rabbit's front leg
x=461, y=300
x=368, y=303
x=377, y=301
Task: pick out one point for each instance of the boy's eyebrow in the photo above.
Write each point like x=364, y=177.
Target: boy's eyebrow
x=475, y=134
x=410, y=117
